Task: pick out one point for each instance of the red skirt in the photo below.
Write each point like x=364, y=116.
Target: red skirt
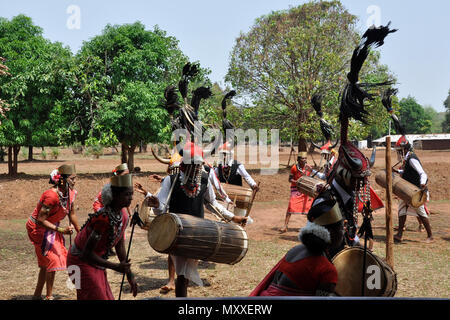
x=299, y=202
x=49, y=247
x=93, y=281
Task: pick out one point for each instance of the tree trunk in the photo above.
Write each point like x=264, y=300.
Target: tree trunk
x=13, y=152
x=30, y=153
x=124, y=153
x=144, y=147
x=302, y=143
x=131, y=151
x=10, y=162
x=16, y=153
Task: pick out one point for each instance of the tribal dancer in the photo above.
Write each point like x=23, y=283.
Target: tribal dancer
x=299, y=203
x=348, y=182
x=306, y=269
x=44, y=229
x=412, y=171
x=231, y=171
x=102, y=231
x=192, y=191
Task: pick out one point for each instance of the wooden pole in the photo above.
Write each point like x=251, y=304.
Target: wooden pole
x=389, y=228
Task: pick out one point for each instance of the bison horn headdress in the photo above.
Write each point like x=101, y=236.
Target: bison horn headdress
x=183, y=115
x=353, y=167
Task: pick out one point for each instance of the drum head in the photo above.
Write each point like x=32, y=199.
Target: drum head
x=163, y=232
x=349, y=265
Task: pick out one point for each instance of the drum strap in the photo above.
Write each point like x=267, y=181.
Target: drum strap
x=219, y=241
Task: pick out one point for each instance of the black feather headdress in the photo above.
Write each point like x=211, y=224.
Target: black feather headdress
x=354, y=94
x=386, y=99
x=171, y=103
x=199, y=94
x=326, y=128
x=189, y=72
x=226, y=124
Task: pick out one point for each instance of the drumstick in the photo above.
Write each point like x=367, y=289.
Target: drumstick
x=217, y=213
x=251, y=203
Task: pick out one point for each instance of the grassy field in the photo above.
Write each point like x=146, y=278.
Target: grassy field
x=422, y=269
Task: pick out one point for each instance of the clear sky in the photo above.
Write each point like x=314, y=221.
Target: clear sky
x=418, y=54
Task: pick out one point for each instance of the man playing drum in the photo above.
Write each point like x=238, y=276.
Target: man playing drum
x=299, y=203
x=231, y=171
x=412, y=172
x=187, y=193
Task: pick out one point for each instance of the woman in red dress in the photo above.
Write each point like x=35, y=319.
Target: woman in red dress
x=102, y=231
x=44, y=229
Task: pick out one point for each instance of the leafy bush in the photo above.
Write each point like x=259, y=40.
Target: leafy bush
x=55, y=153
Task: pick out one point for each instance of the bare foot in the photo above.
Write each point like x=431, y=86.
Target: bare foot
x=429, y=240
x=282, y=230
x=397, y=239
x=167, y=288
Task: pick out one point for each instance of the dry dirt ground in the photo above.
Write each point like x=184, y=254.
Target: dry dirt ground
x=422, y=269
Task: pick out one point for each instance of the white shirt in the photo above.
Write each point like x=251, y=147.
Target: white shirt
x=216, y=183
x=210, y=199
x=418, y=167
x=241, y=171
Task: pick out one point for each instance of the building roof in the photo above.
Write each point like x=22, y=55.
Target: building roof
x=416, y=137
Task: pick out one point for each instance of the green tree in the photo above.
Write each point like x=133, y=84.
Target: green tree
x=413, y=116
x=38, y=82
x=289, y=55
x=119, y=80
x=446, y=122
x=436, y=118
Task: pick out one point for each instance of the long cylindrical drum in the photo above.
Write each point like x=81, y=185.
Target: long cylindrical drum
x=380, y=280
x=196, y=238
x=403, y=189
x=241, y=196
x=309, y=186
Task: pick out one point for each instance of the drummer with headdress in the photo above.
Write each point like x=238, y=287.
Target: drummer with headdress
x=103, y=230
x=45, y=230
x=411, y=170
x=229, y=170
x=348, y=182
x=188, y=193
x=299, y=203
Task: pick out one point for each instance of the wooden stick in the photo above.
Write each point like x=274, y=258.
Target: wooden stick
x=251, y=202
x=389, y=228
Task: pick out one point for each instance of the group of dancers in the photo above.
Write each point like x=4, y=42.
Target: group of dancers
x=192, y=185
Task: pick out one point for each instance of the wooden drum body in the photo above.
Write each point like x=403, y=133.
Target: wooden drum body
x=196, y=238
x=403, y=189
x=241, y=196
x=309, y=185
x=380, y=280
